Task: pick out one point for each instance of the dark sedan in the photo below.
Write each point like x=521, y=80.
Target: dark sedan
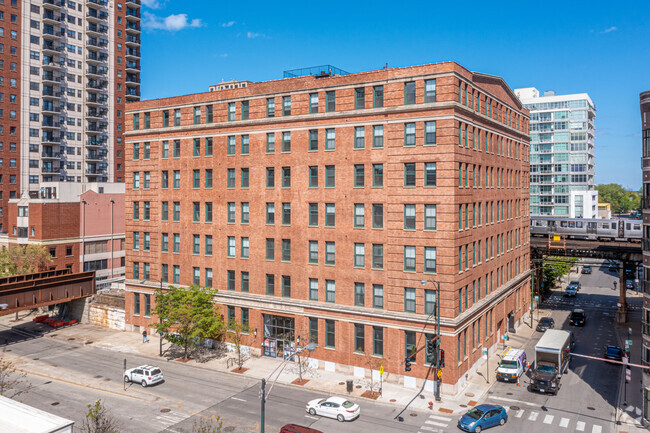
x=614, y=353
x=586, y=269
x=545, y=323
x=578, y=317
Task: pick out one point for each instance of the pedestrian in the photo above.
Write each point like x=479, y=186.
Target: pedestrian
x=144, y=337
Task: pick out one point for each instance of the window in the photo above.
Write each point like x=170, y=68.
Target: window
x=359, y=338
x=429, y=216
x=330, y=215
x=330, y=333
x=208, y=178
x=330, y=176
x=244, y=178
x=377, y=341
x=231, y=212
x=330, y=253
x=196, y=178
x=286, y=141
x=378, y=175
x=232, y=115
x=136, y=210
x=136, y=298
x=286, y=105
x=244, y=145
x=245, y=213
x=377, y=256
x=429, y=133
x=359, y=294
x=270, y=177
x=177, y=274
x=286, y=214
x=378, y=96
x=313, y=176
x=429, y=174
x=377, y=216
x=330, y=101
x=177, y=179
x=231, y=246
x=409, y=300
x=270, y=284
x=165, y=211
x=330, y=139
x=244, y=247
x=313, y=214
x=409, y=134
x=313, y=289
x=409, y=217
x=208, y=245
x=313, y=252
x=378, y=136
x=286, y=177
x=359, y=255
x=177, y=243
x=313, y=103
x=270, y=249
x=270, y=142
x=244, y=281
x=177, y=148
x=409, y=93
x=359, y=174
x=377, y=296
x=231, y=145
x=286, y=250
x=196, y=244
x=244, y=110
x=359, y=137
x=270, y=107
x=330, y=291
x=409, y=174
x=286, y=286
x=136, y=151
x=313, y=330
x=136, y=121
x=231, y=280
x=208, y=114
x=430, y=259
x=409, y=258
x=313, y=139
x=197, y=147
x=165, y=149
x=270, y=213
x=165, y=273
x=430, y=91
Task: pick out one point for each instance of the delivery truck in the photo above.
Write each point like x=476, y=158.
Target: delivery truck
x=552, y=355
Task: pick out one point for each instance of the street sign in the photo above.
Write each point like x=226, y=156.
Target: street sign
x=485, y=351
x=381, y=370
x=628, y=342
x=536, y=298
x=439, y=374
x=504, y=336
x=625, y=360
x=628, y=374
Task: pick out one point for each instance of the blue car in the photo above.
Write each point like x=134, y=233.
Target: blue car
x=481, y=417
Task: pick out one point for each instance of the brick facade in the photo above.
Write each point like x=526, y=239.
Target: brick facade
x=456, y=174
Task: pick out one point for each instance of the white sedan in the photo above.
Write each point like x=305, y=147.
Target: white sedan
x=334, y=407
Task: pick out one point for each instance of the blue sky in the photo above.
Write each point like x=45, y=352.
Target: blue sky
x=569, y=47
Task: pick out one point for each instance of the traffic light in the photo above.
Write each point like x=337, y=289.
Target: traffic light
x=441, y=361
x=407, y=364
x=431, y=347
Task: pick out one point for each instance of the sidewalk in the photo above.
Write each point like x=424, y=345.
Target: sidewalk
x=327, y=382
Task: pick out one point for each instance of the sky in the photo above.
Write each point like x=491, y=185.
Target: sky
x=595, y=47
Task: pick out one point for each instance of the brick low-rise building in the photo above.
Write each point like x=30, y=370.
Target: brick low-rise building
x=317, y=205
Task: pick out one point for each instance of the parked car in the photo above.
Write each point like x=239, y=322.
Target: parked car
x=575, y=284
x=295, y=428
x=586, y=269
x=545, y=323
x=614, y=353
x=334, y=407
x=145, y=375
x=570, y=291
x=578, y=317
x=481, y=417
x=629, y=285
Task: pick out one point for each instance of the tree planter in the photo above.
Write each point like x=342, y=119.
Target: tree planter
x=184, y=360
x=374, y=395
x=239, y=370
x=298, y=382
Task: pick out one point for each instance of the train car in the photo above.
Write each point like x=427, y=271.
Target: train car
x=620, y=229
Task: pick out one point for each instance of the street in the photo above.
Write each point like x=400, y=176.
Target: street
x=67, y=376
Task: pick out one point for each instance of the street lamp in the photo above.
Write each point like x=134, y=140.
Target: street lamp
x=263, y=394
x=436, y=311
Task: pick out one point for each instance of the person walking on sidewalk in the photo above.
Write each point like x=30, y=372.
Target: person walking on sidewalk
x=144, y=337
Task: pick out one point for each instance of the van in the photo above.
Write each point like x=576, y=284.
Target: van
x=295, y=428
x=512, y=365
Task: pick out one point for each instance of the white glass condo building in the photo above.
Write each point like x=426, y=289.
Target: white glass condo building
x=561, y=154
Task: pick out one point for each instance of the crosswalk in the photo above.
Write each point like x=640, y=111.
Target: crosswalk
x=559, y=300
x=440, y=424
x=170, y=418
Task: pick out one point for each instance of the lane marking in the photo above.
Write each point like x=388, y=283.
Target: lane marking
x=238, y=399
x=519, y=413
x=312, y=417
x=441, y=418
x=533, y=416
x=596, y=429
x=512, y=400
x=424, y=427
x=564, y=422
x=580, y=426
x=548, y=419
x=439, y=424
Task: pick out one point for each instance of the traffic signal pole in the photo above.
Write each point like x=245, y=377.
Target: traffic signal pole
x=438, y=361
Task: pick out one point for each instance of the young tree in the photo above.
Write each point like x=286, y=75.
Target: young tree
x=187, y=315
x=236, y=331
x=214, y=425
x=18, y=260
x=374, y=364
x=98, y=420
x=12, y=382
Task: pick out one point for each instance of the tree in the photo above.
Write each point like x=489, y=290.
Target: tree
x=187, y=315
x=12, y=382
x=620, y=199
x=18, y=260
x=236, y=331
x=98, y=420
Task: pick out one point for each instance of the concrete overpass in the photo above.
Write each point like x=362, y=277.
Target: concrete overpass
x=25, y=292
x=626, y=253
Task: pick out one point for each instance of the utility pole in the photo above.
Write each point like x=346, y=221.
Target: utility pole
x=438, y=371
x=263, y=399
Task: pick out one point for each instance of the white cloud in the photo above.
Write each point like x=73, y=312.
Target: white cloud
x=609, y=30
x=173, y=23
x=252, y=35
x=228, y=24
x=153, y=4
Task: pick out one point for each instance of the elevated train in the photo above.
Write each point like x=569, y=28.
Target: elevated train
x=619, y=229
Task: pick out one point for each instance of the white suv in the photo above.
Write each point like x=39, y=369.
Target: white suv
x=144, y=375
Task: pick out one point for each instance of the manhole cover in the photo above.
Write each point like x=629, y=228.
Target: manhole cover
x=591, y=408
x=98, y=376
x=413, y=414
x=71, y=338
x=392, y=400
x=56, y=403
x=469, y=394
x=165, y=410
x=463, y=405
x=341, y=383
x=508, y=393
x=515, y=408
x=358, y=387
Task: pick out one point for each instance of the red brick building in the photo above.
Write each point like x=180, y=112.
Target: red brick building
x=318, y=204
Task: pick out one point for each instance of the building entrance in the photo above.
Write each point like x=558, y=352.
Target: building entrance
x=279, y=336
